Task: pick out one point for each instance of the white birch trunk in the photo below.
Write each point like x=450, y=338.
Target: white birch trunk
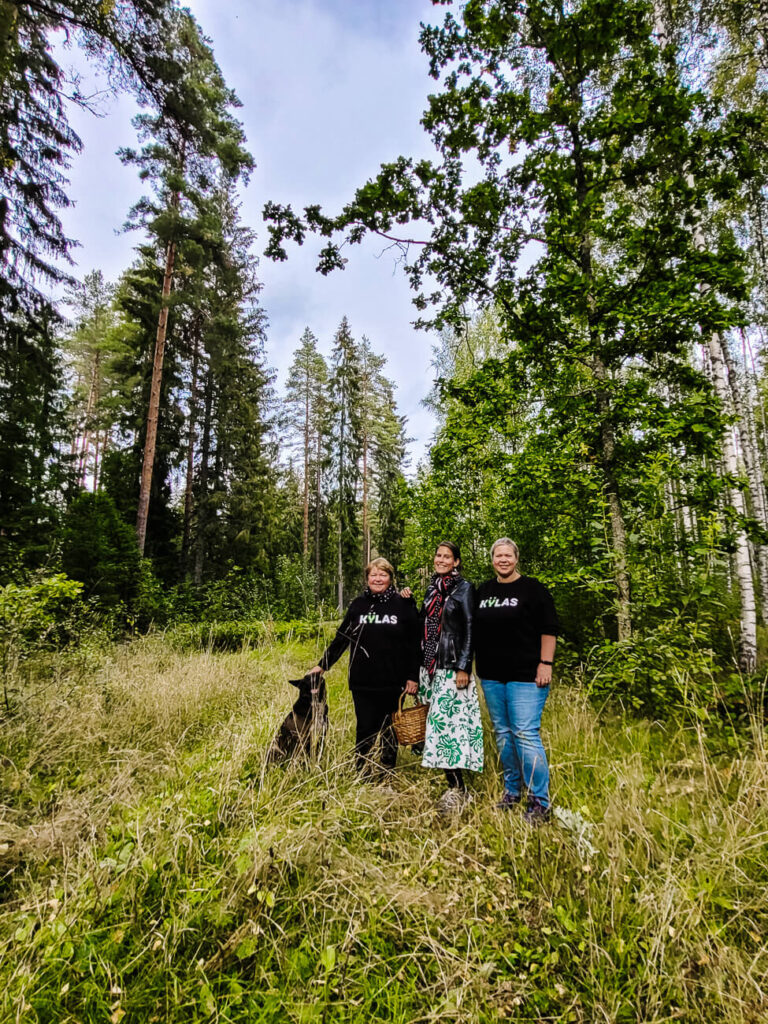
x=715, y=350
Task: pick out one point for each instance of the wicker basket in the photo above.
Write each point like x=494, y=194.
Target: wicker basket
x=410, y=724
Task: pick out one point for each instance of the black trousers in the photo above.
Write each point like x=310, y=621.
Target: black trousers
x=373, y=711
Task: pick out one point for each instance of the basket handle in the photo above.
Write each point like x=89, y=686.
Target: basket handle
x=403, y=695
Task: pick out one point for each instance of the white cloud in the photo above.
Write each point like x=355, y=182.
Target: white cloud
x=330, y=90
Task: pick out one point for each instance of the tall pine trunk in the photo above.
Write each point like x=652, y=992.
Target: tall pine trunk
x=318, y=501
x=153, y=414
x=305, y=547
x=202, y=515
x=190, y=474
x=366, y=525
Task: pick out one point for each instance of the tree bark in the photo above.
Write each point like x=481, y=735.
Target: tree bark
x=153, y=414
x=190, y=475
x=759, y=509
x=742, y=565
x=307, y=389
x=615, y=514
x=366, y=528
x=202, y=515
x=318, y=500
x=716, y=353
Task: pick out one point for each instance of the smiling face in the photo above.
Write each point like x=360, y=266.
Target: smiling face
x=378, y=580
x=504, y=561
x=444, y=560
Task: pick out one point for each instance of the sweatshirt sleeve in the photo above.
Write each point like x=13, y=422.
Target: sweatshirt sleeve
x=548, y=622
x=339, y=644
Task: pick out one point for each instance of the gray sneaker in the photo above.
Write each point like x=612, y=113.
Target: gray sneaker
x=537, y=812
x=453, y=801
x=508, y=801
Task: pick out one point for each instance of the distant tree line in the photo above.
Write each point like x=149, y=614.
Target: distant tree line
x=143, y=447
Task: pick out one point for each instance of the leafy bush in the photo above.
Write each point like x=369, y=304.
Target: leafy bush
x=151, y=605
x=32, y=617
x=295, y=588
x=664, y=671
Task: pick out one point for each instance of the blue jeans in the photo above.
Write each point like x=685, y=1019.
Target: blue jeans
x=515, y=710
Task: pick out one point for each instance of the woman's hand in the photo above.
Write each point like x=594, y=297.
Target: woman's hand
x=316, y=671
x=406, y=592
x=462, y=680
x=543, y=675
x=411, y=688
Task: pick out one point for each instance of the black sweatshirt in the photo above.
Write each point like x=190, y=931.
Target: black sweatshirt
x=510, y=620
x=384, y=642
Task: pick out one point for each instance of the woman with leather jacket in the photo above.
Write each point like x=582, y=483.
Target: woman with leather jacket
x=454, y=737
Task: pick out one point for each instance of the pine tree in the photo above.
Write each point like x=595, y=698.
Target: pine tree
x=190, y=141
x=36, y=140
x=345, y=415
x=305, y=399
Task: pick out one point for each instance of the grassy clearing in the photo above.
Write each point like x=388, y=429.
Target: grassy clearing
x=154, y=869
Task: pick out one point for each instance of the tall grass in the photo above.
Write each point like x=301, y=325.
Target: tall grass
x=154, y=868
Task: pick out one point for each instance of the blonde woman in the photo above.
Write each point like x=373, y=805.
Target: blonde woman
x=515, y=637
x=381, y=630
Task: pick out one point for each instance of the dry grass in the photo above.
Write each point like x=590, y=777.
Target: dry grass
x=155, y=869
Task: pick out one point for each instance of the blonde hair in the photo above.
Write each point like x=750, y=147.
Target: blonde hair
x=508, y=543
x=380, y=563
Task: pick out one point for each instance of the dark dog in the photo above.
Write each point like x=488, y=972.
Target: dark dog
x=305, y=724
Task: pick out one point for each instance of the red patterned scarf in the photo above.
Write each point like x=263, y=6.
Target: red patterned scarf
x=439, y=588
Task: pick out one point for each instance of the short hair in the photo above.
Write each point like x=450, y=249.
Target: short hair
x=380, y=563
x=509, y=542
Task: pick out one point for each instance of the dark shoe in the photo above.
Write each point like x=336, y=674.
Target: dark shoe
x=537, y=813
x=508, y=801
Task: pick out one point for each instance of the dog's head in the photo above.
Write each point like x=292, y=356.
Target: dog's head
x=309, y=686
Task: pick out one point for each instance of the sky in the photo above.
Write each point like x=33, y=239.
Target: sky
x=330, y=90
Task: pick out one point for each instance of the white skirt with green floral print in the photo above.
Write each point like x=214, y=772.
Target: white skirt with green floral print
x=454, y=736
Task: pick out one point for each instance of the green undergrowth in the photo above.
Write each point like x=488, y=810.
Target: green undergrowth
x=234, y=634
x=154, y=868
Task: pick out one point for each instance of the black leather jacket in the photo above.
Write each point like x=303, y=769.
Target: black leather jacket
x=456, y=645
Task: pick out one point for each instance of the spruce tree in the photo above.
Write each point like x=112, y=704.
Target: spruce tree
x=345, y=451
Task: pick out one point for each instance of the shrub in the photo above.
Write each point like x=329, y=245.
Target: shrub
x=663, y=671
x=32, y=617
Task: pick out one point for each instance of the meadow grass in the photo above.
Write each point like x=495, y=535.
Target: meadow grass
x=154, y=868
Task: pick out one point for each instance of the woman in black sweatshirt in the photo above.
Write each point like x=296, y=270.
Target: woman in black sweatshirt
x=381, y=630
x=515, y=637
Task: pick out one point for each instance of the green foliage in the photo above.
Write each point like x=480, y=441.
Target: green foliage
x=664, y=671
x=33, y=470
x=242, y=634
x=30, y=613
x=295, y=588
x=99, y=549
x=33, y=617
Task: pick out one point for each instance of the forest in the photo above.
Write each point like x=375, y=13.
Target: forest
x=180, y=532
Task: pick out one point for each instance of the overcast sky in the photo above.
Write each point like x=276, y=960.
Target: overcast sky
x=330, y=89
